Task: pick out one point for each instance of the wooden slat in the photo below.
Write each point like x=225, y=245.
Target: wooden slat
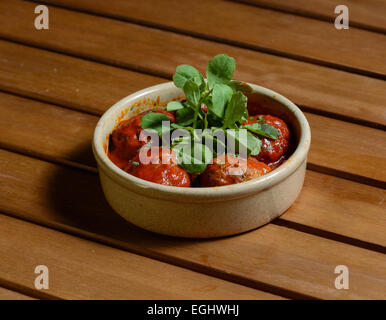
x=286, y=34
x=59, y=134
x=47, y=125
x=330, y=138
x=6, y=294
x=41, y=129
x=199, y=260
x=368, y=14
x=75, y=83
x=320, y=88
x=348, y=147
x=272, y=257
x=83, y=269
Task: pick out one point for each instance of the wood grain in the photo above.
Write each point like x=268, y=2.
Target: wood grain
x=71, y=82
x=276, y=32
x=368, y=14
x=348, y=147
x=6, y=294
x=273, y=257
x=63, y=134
x=58, y=134
x=71, y=200
x=83, y=269
x=46, y=130
x=60, y=79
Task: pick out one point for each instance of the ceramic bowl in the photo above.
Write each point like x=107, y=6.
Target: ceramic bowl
x=202, y=212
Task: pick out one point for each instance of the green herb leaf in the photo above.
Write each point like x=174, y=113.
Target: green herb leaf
x=235, y=110
x=174, y=105
x=263, y=129
x=218, y=145
x=252, y=144
x=186, y=72
x=153, y=121
x=220, y=97
x=184, y=117
x=220, y=69
x=192, y=93
x=176, y=126
x=181, y=140
x=135, y=163
x=193, y=159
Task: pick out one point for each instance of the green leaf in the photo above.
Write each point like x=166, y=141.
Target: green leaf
x=235, y=110
x=220, y=97
x=254, y=144
x=153, y=121
x=176, y=126
x=240, y=86
x=186, y=72
x=184, y=117
x=263, y=129
x=251, y=144
x=195, y=158
x=220, y=69
x=192, y=93
x=218, y=145
x=174, y=105
x=213, y=120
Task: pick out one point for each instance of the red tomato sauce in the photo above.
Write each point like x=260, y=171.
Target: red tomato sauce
x=222, y=171
x=125, y=141
x=273, y=151
x=162, y=168
x=125, y=147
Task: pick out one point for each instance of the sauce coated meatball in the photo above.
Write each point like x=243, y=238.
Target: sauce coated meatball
x=273, y=151
x=159, y=165
x=228, y=169
x=124, y=140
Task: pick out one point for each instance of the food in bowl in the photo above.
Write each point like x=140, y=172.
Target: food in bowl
x=208, y=138
x=202, y=212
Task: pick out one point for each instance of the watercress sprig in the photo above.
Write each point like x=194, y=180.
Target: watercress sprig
x=217, y=103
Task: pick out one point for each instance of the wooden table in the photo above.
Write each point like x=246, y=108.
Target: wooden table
x=54, y=84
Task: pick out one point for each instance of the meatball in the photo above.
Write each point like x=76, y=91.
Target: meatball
x=272, y=150
x=159, y=165
x=228, y=169
x=124, y=140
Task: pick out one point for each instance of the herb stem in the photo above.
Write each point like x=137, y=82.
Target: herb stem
x=195, y=117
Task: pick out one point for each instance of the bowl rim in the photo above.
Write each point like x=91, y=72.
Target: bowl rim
x=213, y=193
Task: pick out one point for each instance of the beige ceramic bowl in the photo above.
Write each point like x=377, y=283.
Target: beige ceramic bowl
x=201, y=212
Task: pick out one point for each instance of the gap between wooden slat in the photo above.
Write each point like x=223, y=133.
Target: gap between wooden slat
x=309, y=14
x=347, y=175
x=199, y=35
x=65, y=155
x=312, y=110
x=80, y=233
x=37, y=294
x=7, y=293
x=329, y=235
x=187, y=279
x=136, y=239
x=341, y=84
x=310, y=165
x=278, y=221
x=121, y=65
x=25, y=94
x=342, y=117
